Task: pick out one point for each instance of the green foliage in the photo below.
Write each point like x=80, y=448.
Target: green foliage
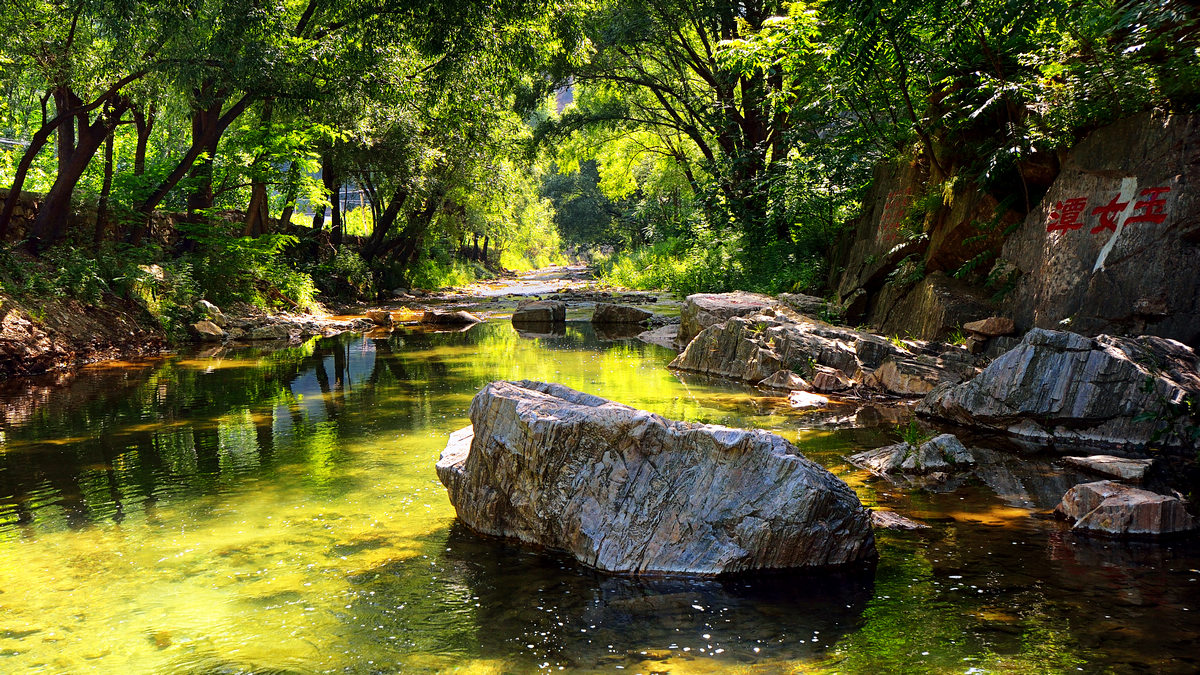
x=913, y=433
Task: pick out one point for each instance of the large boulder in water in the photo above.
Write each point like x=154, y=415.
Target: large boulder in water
x=1109, y=508
x=702, y=310
x=627, y=491
x=540, y=311
x=1059, y=386
x=608, y=313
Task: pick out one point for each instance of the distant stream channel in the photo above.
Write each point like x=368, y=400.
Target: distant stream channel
x=276, y=511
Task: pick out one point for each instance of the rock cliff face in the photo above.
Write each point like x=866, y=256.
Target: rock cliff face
x=1059, y=386
x=627, y=491
x=1114, y=247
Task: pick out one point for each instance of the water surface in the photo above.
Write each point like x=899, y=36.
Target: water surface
x=277, y=511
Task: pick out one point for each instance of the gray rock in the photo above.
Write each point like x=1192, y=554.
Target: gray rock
x=1122, y=468
x=940, y=453
x=908, y=377
x=702, y=310
x=609, y=313
x=1059, y=386
x=540, y=311
x=890, y=520
x=458, y=318
x=211, y=312
x=624, y=490
x=1109, y=508
x=808, y=305
x=207, y=331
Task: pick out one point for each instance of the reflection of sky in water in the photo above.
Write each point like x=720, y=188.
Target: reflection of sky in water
x=278, y=511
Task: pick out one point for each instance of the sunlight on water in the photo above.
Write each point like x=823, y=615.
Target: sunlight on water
x=278, y=511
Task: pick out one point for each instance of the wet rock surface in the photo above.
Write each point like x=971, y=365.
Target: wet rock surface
x=1121, y=468
x=1112, y=509
x=1063, y=387
x=627, y=491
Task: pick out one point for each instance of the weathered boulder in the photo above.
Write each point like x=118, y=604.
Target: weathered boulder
x=784, y=380
x=1059, y=386
x=753, y=348
x=890, y=520
x=1109, y=508
x=940, y=453
x=207, y=331
x=702, y=310
x=609, y=313
x=906, y=377
x=624, y=490
x=1112, y=247
x=540, y=311
x=1122, y=468
x=993, y=326
x=807, y=399
x=441, y=317
x=380, y=317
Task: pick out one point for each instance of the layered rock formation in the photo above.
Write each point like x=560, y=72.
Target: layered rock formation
x=627, y=491
x=1059, y=386
x=753, y=348
x=940, y=453
x=702, y=310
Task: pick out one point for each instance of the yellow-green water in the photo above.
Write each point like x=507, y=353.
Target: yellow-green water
x=258, y=511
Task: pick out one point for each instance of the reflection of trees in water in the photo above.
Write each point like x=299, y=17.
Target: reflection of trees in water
x=503, y=601
x=116, y=437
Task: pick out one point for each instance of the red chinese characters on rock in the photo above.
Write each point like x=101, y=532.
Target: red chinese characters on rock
x=1150, y=207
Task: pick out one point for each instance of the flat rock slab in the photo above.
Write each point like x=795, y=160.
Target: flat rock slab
x=1110, y=508
x=890, y=520
x=1121, y=468
x=1060, y=386
x=608, y=313
x=627, y=491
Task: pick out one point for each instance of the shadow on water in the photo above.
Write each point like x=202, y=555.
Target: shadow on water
x=542, y=610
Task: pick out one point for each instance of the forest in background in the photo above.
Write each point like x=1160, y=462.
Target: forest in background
x=307, y=147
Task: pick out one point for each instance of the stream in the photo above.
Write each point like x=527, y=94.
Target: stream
x=276, y=511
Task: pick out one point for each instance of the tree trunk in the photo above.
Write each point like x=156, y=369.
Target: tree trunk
x=105, y=189
x=65, y=101
x=257, y=212
x=206, y=135
x=52, y=217
x=144, y=122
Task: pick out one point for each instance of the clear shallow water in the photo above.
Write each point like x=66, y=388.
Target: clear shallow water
x=258, y=511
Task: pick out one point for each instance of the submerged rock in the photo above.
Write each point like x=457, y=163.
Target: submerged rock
x=624, y=490
x=702, y=310
x=540, y=311
x=606, y=313
x=1062, y=386
x=1109, y=508
x=940, y=453
x=1121, y=468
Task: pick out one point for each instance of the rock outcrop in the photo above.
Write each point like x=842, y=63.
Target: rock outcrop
x=608, y=313
x=702, y=310
x=832, y=358
x=1059, y=386
x=540, y=311
x=627, y=491
x=1112, y=509
x=940, y=453
x=1114, y=246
